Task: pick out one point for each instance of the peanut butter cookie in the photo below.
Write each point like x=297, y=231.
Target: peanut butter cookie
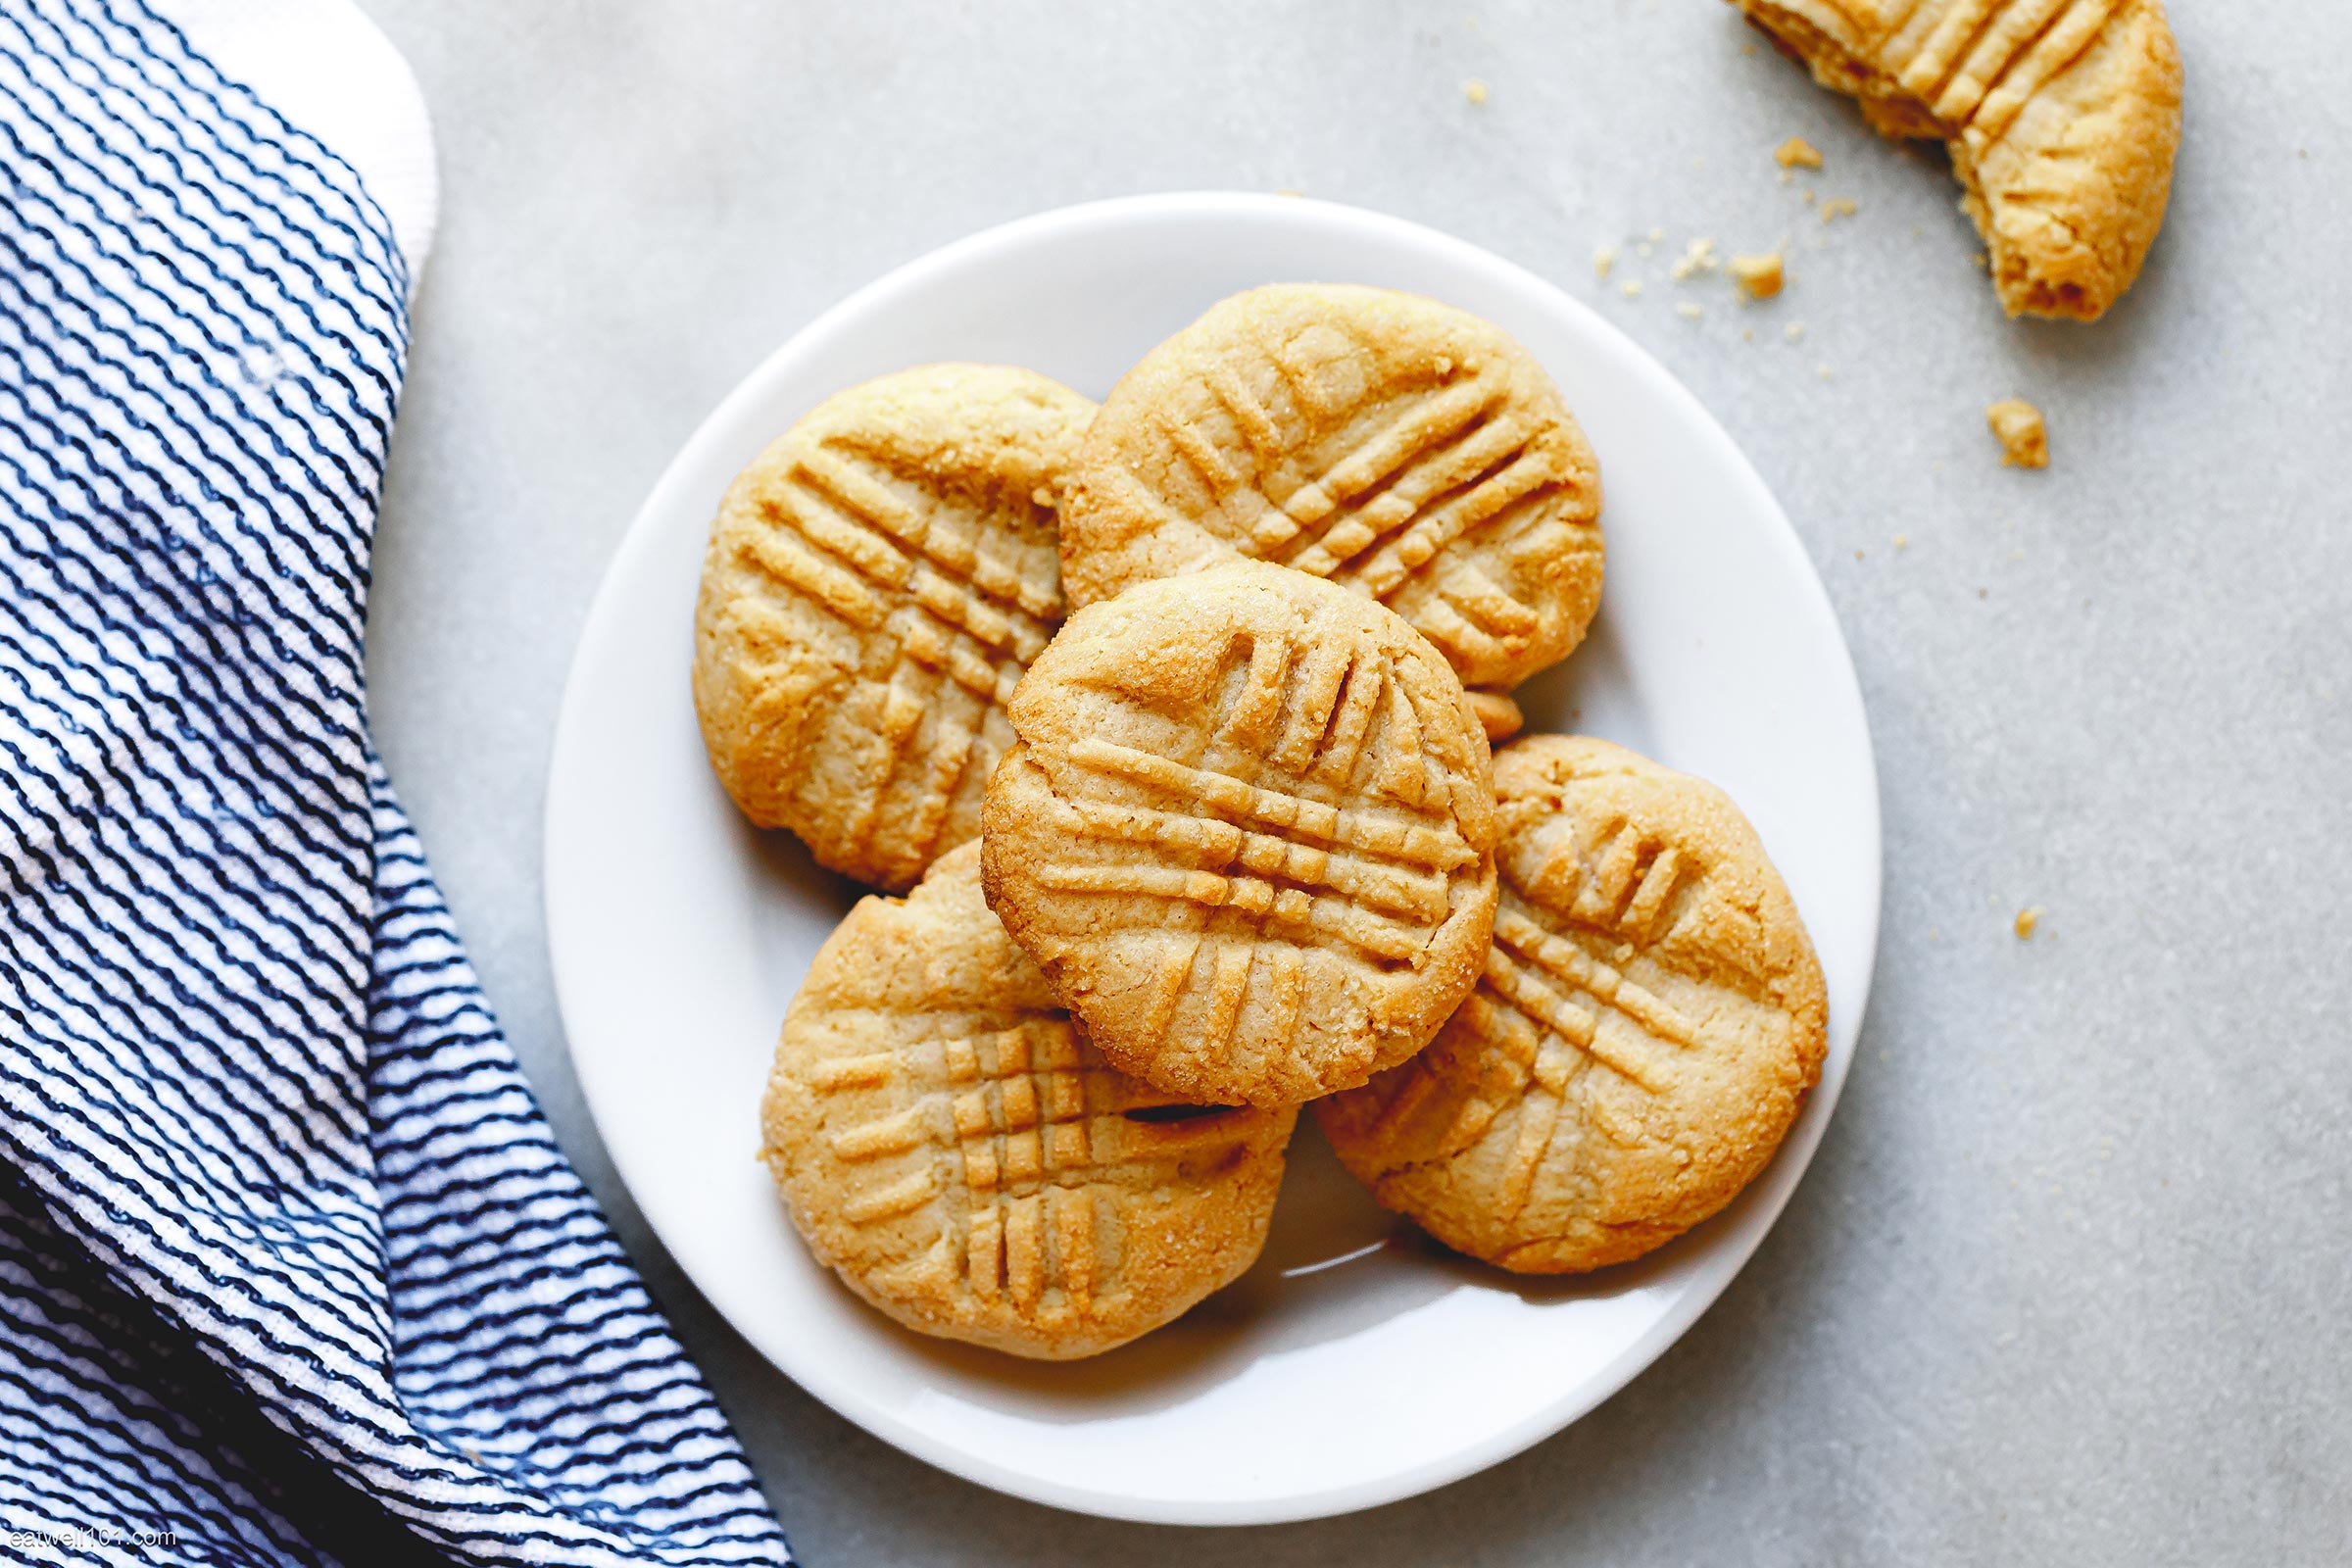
x=1247, y=831
x=1383, y=441
x=1650, y=1017
x=2062, y=117
x=951, y=1147
x=875, y=583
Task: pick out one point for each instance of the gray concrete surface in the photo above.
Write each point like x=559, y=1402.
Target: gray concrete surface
x=2068, y=1282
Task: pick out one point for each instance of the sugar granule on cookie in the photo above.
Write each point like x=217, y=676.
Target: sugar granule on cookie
x=1405, y=450
x=2062, y=118
x=1796, y=153
x=876, y=579
x=1248, y=832
x=1647, y=1023
x=1759, y=277
x=2025, y=439
x=952, y=1148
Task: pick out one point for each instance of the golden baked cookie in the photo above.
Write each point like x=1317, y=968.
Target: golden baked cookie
x=1399, y=447
x=951, y=1147
x=1247, y=831
x=875, y=582
x=2061, y=116
x=1650, y=1017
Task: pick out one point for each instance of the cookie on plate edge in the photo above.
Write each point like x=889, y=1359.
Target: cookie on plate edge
x=951, y=1146
x=1650, y=1020
x=876, y=581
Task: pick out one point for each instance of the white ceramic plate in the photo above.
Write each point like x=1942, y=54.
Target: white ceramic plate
x=1356, y=1363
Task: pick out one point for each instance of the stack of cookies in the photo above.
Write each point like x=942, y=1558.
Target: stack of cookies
x=1174, y=715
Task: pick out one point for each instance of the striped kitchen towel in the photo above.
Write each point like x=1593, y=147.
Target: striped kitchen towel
x=291, y=1270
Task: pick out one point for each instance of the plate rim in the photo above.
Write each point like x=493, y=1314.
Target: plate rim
x=1774, y=1187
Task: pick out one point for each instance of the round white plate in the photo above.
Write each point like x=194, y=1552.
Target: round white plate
x=1356, y=1363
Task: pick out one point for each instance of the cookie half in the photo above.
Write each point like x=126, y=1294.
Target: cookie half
x=1382, y=441
x=1247, y=831
x=2062, y=117
x=876, y=581
x=1649, y=1019
x=951, y=1147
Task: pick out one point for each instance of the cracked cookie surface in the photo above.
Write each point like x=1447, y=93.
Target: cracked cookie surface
x=951, y=1147
x=1648, y=1020
x=1247, y=831
x=1398, y=447
x=876, y=581
x=2062, y=118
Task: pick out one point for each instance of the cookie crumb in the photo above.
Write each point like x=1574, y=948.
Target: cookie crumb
x=1902, y=541
x=1602, y=260
x=1698, y=258
x=1498, y=713
x=1630, y=288
x=1688, y=312
x=1658, y=236
x=2025, y=439
x=1798, y=152
x=1793, y=331
x=1747, y=334
x=2026, y=920
x=1828, y=372
x=1294, y=195
x=1837, y=207
x=1807, y=194
x=1475, y=90
x=1759, y=277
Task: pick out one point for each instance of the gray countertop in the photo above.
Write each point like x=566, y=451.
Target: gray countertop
x=2068, y=1280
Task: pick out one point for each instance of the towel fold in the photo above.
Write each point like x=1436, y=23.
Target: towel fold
x=289, y=1261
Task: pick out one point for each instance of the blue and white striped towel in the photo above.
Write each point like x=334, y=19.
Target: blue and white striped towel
x=290, y=1269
